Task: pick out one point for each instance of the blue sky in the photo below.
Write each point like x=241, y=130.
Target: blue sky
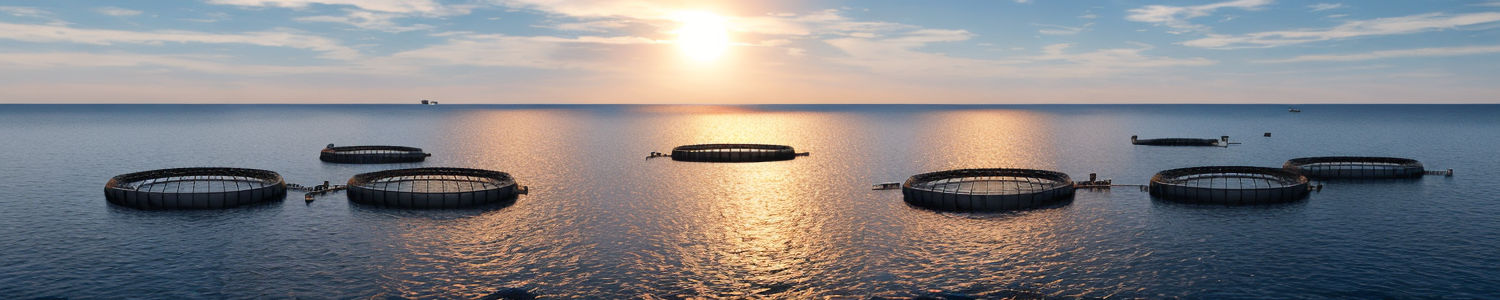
x=594, y=51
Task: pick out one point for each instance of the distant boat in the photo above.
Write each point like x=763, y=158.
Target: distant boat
x=429, y=102
x=1293, y=109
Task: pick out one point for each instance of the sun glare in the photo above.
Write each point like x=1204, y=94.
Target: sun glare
x=703, y=36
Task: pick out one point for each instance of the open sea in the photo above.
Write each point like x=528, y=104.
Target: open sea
x=603, y=222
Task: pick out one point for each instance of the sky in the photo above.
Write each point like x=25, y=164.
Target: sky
x=749, y=52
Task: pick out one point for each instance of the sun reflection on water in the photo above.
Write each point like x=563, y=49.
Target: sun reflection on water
x=989, y=138
x=747, y=229
x=462, y=252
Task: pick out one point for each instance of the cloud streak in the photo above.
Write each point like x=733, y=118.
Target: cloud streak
x=62, y=34
x=898, y=56
x=1176, y=17
x=1350, y=29
x=390, y=6
x=1049, y=29
x=1325, y=6
x=1422, y=52
x=535, y=52
x=117, y=12
x=368, y=20
x=204, y=64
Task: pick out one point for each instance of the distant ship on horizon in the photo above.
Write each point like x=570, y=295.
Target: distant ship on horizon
x=429, y=102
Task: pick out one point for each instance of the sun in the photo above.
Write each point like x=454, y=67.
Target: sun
x=703, y=35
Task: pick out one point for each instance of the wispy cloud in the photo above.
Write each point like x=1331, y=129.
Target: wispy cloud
x=899, y=56
x=204, y=64
x=116, y=11
x=600, y=15
x=1325, y=6
x=591, y=26
x=32, y=13
x=1050, y=29
x=1176, y=17
x=1350, y=29
x=1116, y=60
x=64, y=34
x=390, y=6
x=536, y=52
x=25, y=12
x=212, y=17
x=1421, y=52
x=368, y=20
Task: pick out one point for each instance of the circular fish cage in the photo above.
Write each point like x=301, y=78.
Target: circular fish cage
x=733, y=153
x=433, y=188
x=1229, y=185
x=1355, y=167
x=987, y=189
x=1136, y=140
x=372, y=154
x=194, y=188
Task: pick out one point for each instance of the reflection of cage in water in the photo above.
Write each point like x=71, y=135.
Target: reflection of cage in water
x=1330, y=167
x=1229, y=185
x=987, y=189
x=433, y=188
x=733, y=153
x=371, y=154
x=194, y=188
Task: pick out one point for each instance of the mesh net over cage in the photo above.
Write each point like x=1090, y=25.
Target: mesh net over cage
x=1330, y=167
x=371, y=154
x=194, y=188
x=433, y=188
x=987, y=189
x=1229, y=185
x=733, y=153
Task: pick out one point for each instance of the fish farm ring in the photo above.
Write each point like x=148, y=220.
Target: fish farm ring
x=1229, y=185
x=1135, y=140
x=371, y=154
x=987, y=189
x=433, y=188
x=194, y=188
x=1329, y=167
x=733, y=153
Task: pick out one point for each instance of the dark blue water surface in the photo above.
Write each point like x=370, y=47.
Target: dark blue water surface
x=602, y=222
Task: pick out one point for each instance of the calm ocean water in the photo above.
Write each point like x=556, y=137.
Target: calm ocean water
x=602, y=222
